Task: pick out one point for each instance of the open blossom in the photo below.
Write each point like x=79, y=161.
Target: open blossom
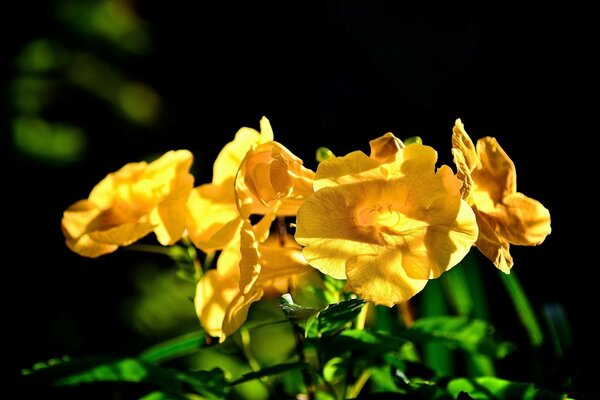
x=212, y=215
x=504, y=215
x=388, y=223
x=222, y=306
x=260, y=173
x=253, y=175
x=130, y=203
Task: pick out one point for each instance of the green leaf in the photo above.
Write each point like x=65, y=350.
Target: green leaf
x=177, y=347
x=335, y=370
x=295, y=312
x=210, y=384
x=524, y=308
x=276, y=369
x=163, y=396
x=371, y=343
x=336, y=316
x=458, y=332
x=500, y=389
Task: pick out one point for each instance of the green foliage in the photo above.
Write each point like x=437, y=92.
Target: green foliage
x=499, y=389
x=459, y=332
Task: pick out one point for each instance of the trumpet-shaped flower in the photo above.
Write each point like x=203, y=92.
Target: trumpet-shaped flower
x=489, y=184
x=388, y=222
x=222, y=306
x=130, y=203
x=212, y=215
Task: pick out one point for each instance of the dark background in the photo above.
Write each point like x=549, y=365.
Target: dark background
x=326, y=75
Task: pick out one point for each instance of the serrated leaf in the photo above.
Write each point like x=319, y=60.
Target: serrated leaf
x=459, y=332
x=499, y=389
x=336, y=316
x=295, y=312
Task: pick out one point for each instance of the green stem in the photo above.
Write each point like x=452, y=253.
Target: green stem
x=361, y=318
x=254, y=365
x=359, y=384
x=148, y=248
x=524, y=309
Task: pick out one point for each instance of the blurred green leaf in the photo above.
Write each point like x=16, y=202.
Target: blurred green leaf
x=207, y=383
x=274, y=370
x=177, y=347
x=434, y=304
x=163, y=396
x=459, y=332
x=371, y=343
x=464, y=287
x=48, y=141
x=109, y=20
x=336, y=316
x=335, y=370
x=558, y=326
x=524, y=308
x=499, y=389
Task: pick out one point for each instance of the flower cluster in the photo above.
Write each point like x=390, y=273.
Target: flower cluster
x=386, y=222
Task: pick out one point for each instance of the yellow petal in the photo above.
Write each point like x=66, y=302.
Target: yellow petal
x=123, y=234
x=463, y=144
x=237, y=311
x=280, y=261
x=214, y=293
x=417, y=159
x=463, y=174
x=250, y=266
x=326, y=226
x=525, y=221
x=77, y=218
x=266, y=132
x=491, y=244
x=271, y=176
x=351, y=168
x=229, y=159
x=382, y=278
x=385, y=148
x=212, y=217
x=115, y=184
x=449, y=243
x=85, y=246
x=170, y=215
x=497, y=175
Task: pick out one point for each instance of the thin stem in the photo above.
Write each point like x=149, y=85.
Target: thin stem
x=148, y=248
x=406, y=314
x=308, y=382
x=524, y=309
x=361, y=318
x=359, y=384
x=252, y=362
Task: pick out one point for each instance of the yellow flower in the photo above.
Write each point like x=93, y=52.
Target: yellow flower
x=130, y=203
x=213, y=218
x=504, y=215
x=272, y=178
x=222, y=306
x=388, y=222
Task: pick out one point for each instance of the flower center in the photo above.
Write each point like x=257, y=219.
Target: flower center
x=382, y=217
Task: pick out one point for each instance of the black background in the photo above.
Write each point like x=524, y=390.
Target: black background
x=326, y=75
